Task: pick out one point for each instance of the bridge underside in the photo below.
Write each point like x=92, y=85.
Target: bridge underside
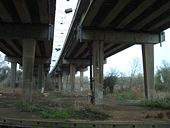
x=103, y=28
x=26, y=36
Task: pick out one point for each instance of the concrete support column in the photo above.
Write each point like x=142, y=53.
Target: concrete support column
x=41, y=77
x=13, y=75
x=148, y=68
x=81, y=80
x=72, y=77
x=65, y=81
x=29, y=46
x=97, y=60
x=59, y=82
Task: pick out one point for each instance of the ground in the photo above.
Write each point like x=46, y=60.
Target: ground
x=117, y=110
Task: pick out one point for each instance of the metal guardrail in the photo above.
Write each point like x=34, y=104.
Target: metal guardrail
x=23, y=123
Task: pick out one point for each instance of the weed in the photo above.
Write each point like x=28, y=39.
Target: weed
x=53, y=114
x=89, y=113
x=156, y=103
x=28, y=107
x=126, y=95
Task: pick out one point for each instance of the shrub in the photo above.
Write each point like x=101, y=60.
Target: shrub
x=28, y=107
x=157, y=103
x=53, y=114
x=126, y=95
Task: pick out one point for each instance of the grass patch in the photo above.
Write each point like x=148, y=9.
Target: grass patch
x=28, y=107
x=90, y=114
x=156, y=103
x=126, y=95
x=53, y=114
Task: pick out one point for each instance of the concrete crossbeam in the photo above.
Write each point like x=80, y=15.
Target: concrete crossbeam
x=120, y=37
x=22, y=31
x=19, y=60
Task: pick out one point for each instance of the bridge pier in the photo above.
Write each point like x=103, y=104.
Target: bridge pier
x=97, y=61
x=81, y=80
x=72, y=77
x=41, y=77
x=65, y=81
x=29, y=46
x=60, y=82
x=148, y=69
x=13, y=76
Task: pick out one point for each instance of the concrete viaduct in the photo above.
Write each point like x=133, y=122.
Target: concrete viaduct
x=26, y=37
x=101, y=28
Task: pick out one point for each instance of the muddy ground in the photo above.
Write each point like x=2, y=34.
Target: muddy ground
x=117, y=110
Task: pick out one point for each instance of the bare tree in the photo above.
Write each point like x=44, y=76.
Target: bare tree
x=134, y=71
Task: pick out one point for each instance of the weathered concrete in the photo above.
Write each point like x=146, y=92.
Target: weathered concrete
x=97, y=61
x=81, y=80
x=13, y=75
x=148, y=68
x=29, y=46
x=41, y=77
x=72, y=77
x=65, y=81
x=60, y=82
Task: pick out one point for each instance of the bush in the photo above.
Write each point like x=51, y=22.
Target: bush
x=28, y=107
x=157, y=103
x=126, y=95
x=162, y=78
x=53, y=114
x=110, y=81
x=90, y=114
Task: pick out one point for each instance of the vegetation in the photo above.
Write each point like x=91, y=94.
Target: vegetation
x=53, y=114
x=162, y=78
x=126, y=95
x=90, y=114
x=110, y=81
x=157, y=103
x=28, y=107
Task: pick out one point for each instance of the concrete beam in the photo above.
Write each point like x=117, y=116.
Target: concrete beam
x=76, y=61
x=154, y=15
x=120, y=37
x=22, y=31
x=114, y=12
x=91, y=12
x=144, y=5
x=19, y=60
